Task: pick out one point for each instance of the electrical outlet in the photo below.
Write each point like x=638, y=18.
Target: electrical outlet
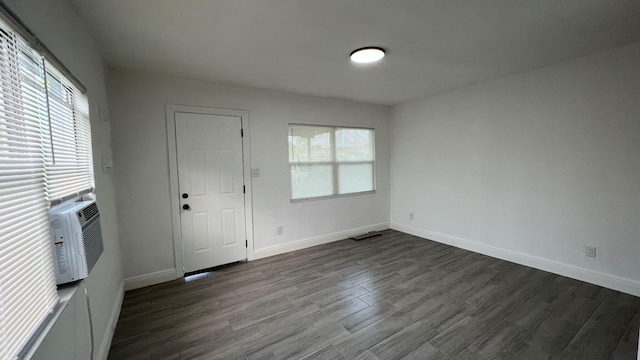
x=411, y=216
x=590, y=251
x=279, y=230
x=255, y=172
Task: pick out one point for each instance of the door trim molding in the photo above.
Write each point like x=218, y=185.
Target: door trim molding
x=171, y=109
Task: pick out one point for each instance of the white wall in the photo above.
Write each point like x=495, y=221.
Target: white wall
x=531, y=168
x=69, y=337
x=138, y=103
x=56, y=24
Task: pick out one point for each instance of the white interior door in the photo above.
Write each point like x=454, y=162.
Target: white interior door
x=210, y=182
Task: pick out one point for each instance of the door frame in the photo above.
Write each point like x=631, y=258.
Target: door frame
x=171, y=110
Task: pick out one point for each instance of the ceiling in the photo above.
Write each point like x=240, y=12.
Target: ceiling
x=303, y=46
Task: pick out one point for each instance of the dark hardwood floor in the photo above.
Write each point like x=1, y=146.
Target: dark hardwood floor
x=395, y=296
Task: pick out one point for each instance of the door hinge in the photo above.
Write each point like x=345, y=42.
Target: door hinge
x=241, y=133
x=246, y=243
x=244, y=189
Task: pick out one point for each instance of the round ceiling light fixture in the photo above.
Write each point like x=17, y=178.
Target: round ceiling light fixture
x=367, y=55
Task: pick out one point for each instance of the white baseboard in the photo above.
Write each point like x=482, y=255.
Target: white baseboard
x=153, y=278
x=103, y=352
x=628, y=286
x=314, y=241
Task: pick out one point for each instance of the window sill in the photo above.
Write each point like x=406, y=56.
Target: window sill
x=332, y=196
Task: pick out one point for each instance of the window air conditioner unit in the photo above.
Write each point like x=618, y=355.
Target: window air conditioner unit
x=77, y=239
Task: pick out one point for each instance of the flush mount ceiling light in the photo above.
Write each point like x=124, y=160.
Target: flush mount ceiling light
x=367, y=55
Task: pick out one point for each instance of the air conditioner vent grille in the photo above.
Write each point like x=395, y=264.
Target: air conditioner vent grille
x=90, y=211
x=92, y=242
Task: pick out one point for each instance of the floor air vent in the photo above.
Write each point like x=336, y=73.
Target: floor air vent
x=366, y=236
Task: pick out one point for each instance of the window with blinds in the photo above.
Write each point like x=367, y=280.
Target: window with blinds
x=45, y=157
x=329, y=161
x=69, y=163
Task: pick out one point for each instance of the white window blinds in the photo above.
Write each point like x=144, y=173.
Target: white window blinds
x=326, y=161
x=69, y=163
x=27, y=281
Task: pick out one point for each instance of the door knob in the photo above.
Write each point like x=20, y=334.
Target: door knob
x=185, y=195
x=186, y=207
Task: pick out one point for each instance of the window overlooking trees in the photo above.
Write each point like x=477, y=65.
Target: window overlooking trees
x=326, y=161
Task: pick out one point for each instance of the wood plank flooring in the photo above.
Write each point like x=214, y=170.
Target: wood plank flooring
x=394, y=296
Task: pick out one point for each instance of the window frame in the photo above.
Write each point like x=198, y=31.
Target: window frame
x=335, y=164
